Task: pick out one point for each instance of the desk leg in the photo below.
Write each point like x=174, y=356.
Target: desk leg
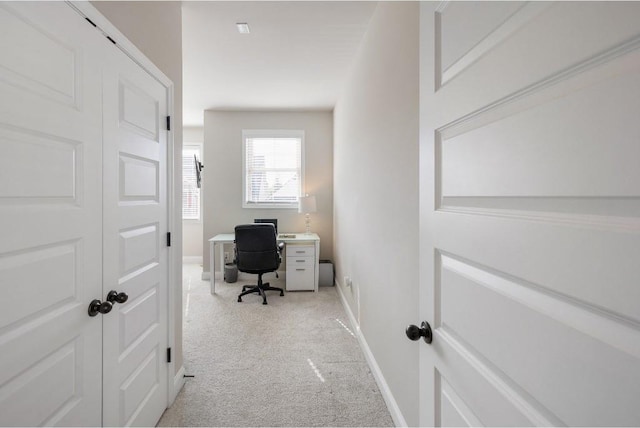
x=317, y=270
x=222, y=261
x=212, y=267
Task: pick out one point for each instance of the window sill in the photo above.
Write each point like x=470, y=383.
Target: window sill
x=270, y=206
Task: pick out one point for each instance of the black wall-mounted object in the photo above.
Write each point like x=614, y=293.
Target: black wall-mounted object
x=199, y=167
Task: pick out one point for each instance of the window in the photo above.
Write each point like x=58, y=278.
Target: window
x=273, y=168
x=190, y=190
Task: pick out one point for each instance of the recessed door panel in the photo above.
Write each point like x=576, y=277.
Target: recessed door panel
x=139, y=111
x=454, y=411
x=138, y=179
x=38, y=168
x=38, y=280
x=142, y=383
x=139, y=318
x=139, y=248
x=52, y=386
x=42, y=62
x=580, y=334
x=539, y=159
x=460, y=35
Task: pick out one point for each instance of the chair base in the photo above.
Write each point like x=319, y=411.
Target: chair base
x=260, y=289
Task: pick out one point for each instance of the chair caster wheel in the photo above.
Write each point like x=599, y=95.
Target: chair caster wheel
x=282, y=293
x=264, y=303
x=239, y=299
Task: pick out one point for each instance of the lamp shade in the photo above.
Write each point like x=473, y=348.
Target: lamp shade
x=307, y=204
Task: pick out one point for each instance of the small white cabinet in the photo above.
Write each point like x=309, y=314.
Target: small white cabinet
x=301, y=265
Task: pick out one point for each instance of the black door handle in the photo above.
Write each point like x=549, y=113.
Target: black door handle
x=115, y=297
x=97, y=307
x=414, y=332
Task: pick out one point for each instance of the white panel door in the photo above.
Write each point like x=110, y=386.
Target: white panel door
x=530, y=213
x=135, y=252
x=50, y=217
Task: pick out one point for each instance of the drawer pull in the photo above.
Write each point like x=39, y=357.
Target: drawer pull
x=300, y=261
x=300, y=269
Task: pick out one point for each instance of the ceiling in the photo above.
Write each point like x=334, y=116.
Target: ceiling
x=296, y=57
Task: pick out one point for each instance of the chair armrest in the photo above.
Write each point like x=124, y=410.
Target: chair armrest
x=280, y=247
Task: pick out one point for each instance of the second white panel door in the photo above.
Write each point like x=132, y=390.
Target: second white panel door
x=135, y=252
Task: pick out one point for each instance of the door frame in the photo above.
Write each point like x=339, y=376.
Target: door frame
x=174, y=297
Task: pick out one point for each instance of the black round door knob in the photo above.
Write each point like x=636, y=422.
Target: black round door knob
x=414, y=332
x=97, y=307
x=115, y=297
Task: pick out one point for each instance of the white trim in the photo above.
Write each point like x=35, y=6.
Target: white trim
x=392, y=405
x=206, y=276
x=86, y=9
x=178, y=383
x=174, y=271
x=191, y=260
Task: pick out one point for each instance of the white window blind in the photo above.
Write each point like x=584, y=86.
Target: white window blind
x=190, y=190
x=273, y=168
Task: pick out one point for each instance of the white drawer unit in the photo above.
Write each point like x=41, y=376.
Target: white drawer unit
x=301, y=265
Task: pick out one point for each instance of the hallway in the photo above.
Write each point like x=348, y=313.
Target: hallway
x=294, y=362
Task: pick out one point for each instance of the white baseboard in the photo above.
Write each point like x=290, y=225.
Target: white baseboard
x=178, y=383
x=392, y=405
x=206, y=276
x=192, y=260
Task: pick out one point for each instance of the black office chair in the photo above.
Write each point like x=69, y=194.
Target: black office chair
x=257, y=252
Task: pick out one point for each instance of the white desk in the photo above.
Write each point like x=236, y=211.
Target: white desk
x=287, y=238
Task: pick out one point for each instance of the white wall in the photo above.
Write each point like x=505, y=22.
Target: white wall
x=192, y=230
x=222, y=178
x=376, y=195
x=156, y=29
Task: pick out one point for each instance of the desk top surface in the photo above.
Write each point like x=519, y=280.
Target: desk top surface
x=285, y=237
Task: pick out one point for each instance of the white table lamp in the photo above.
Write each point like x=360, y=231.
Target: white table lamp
x=306, y=205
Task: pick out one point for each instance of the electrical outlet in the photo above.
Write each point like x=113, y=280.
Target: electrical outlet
x=347, y=281
x=226, y=256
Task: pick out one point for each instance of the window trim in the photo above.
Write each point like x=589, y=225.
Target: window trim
x=271, y=133
x=200, y=147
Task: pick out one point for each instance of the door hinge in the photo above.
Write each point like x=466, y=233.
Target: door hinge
x=168, y=239
x=168, y=123
x=168, y=355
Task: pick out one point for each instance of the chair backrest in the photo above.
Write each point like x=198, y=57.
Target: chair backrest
x=256, y=248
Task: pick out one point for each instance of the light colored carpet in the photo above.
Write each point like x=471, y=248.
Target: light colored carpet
x=293, y=362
